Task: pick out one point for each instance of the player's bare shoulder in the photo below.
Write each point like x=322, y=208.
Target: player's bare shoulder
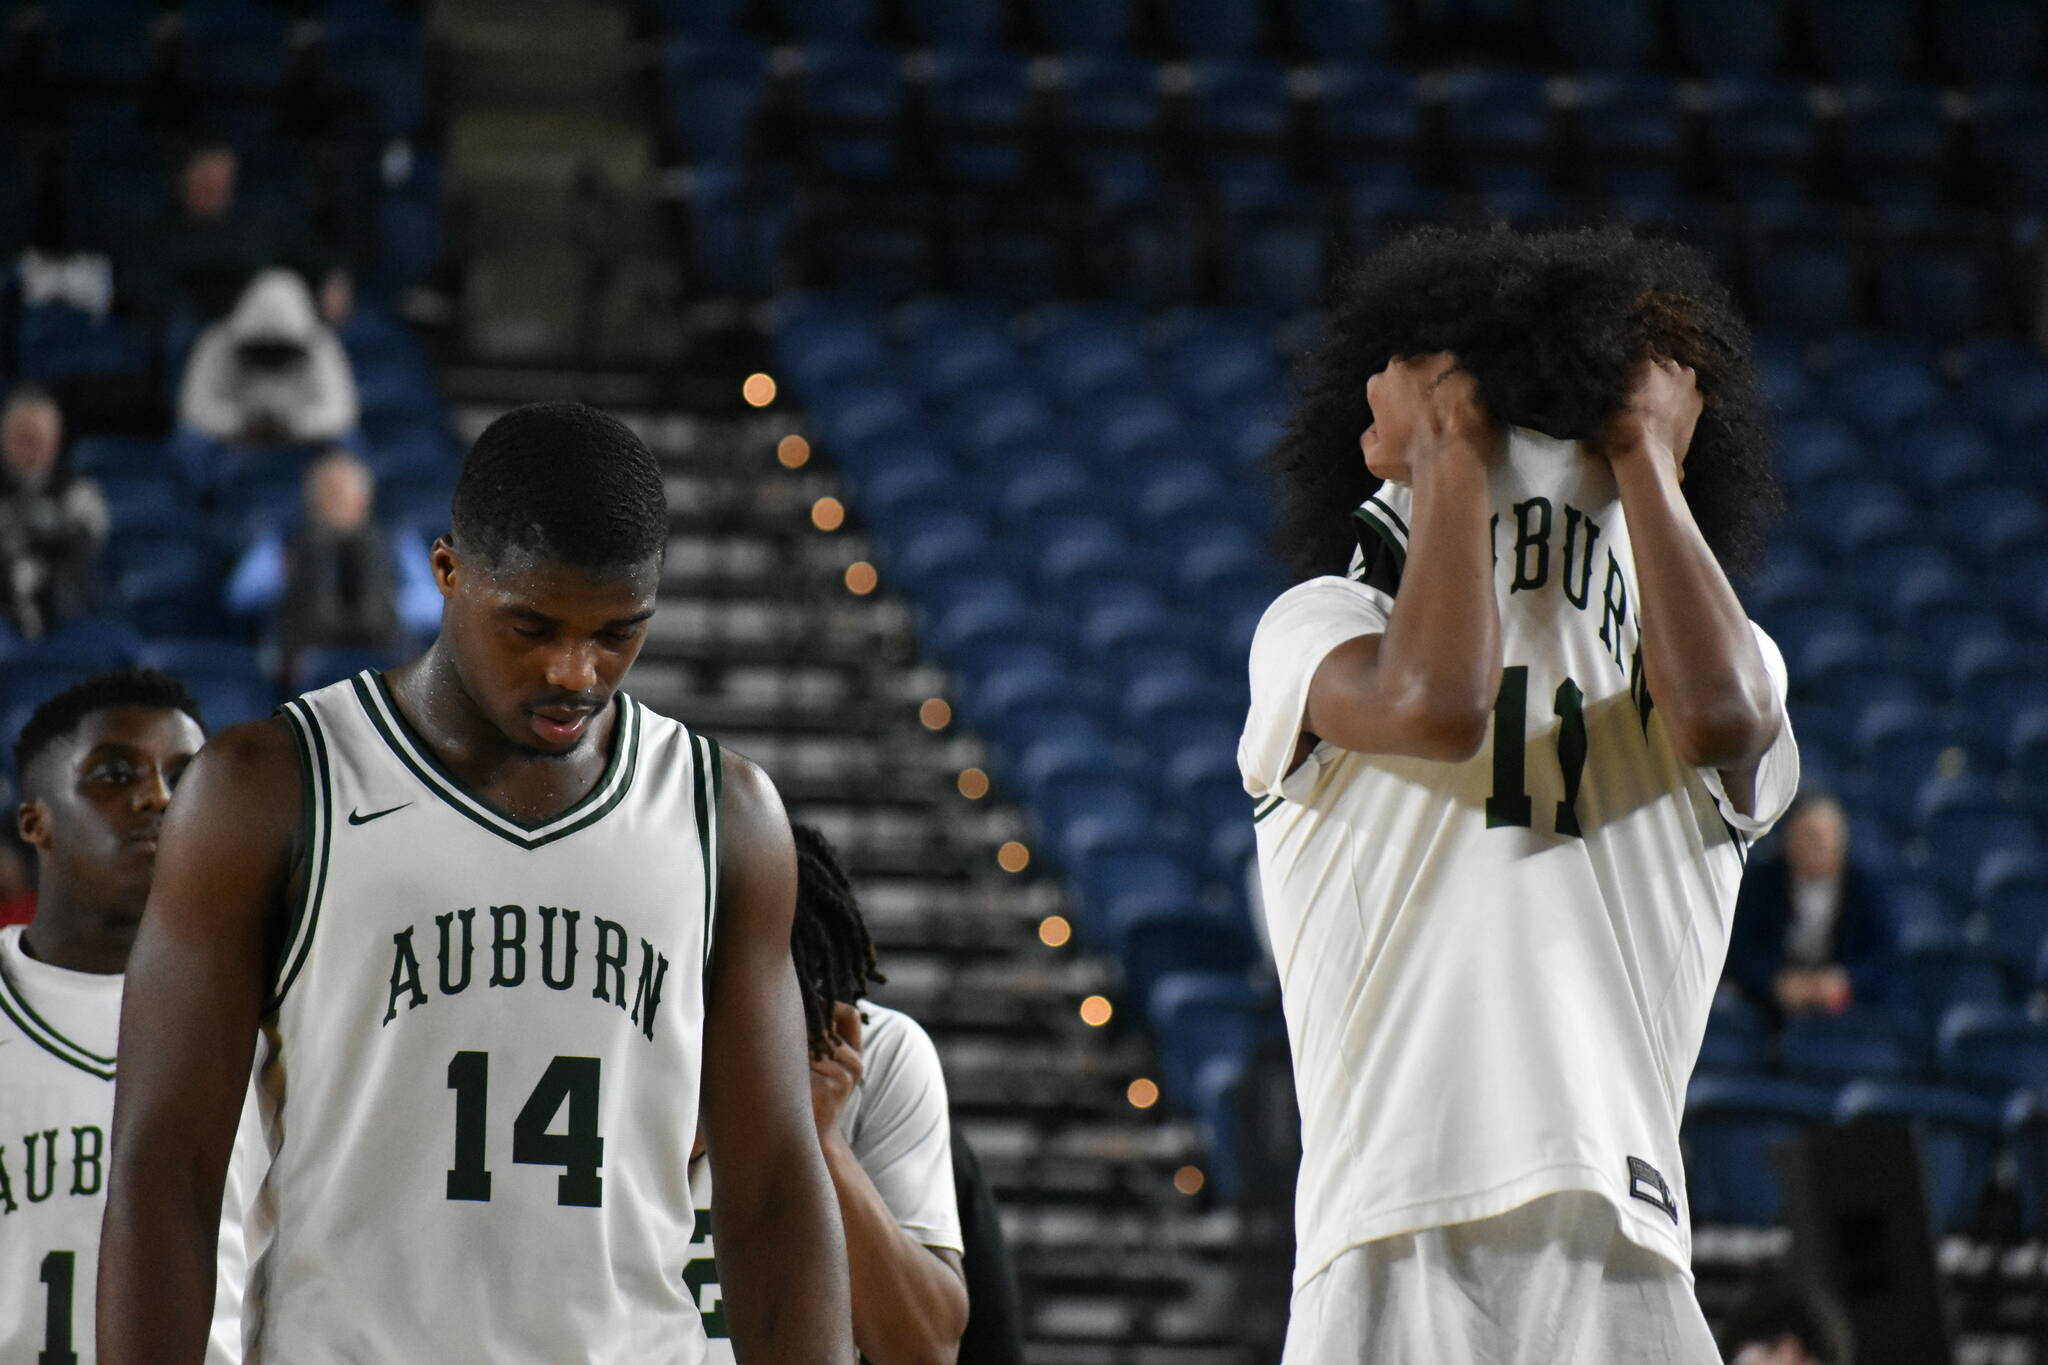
x=245, y=789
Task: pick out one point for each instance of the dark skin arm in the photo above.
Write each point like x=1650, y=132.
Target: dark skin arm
x=1425, y=688
x=909, y=1300
x=1701, y=658
x=189, y=1016
x=781, y=1250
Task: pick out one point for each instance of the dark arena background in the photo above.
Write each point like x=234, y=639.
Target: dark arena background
x=961, y=327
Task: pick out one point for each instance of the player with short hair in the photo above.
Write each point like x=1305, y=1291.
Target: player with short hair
x=495, y=933
x=878, y=1097
x=1511, y=736
x=97, y=763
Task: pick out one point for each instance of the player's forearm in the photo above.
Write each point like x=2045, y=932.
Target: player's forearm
x=782, y=1258
x=1706, y=674
x=1439, y=664
x=909, y=1307
x=158, y=1244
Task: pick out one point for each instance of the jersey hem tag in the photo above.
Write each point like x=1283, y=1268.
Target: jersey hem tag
x=1646, y=1182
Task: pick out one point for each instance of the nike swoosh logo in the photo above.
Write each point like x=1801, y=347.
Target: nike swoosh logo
x=358, y=818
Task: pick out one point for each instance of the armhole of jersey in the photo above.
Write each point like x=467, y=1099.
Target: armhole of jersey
x=710, y=766
x=316, y=821
x=1382, y=545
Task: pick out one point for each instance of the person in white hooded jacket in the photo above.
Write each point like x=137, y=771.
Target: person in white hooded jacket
x=270, y=372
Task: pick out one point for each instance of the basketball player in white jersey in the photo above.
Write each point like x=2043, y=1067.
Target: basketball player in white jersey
x=878, y=1097
x=96, y=763
x=1509, y=742
x=495, y=935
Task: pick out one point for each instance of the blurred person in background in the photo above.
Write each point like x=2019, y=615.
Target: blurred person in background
x=213, y=245
x=1811, y=935
x=17, y=882
x=52, y=521
x=271, y=372
x=879, y=1098
x=1786, y=1324
x=341, y=579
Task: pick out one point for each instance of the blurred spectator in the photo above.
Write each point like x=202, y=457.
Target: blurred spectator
x=271, y=372
x=340, y=580
x=52, y=521
x=1786, y=1324
x=17, y=882
x=213, y=245
x=1811, y=932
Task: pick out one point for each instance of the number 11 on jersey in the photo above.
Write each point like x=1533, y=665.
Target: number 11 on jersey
x=1509, y=805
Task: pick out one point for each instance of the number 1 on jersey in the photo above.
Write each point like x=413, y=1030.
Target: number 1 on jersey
x=1509, y=804
x=59, y=1269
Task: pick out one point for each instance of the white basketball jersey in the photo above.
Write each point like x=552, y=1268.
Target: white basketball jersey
x=58, y=1030
x=480, y=1075
x=1496, y=973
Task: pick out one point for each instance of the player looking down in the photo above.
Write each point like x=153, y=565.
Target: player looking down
x=1511, y=736
x=496, y=934
x=879, y=1100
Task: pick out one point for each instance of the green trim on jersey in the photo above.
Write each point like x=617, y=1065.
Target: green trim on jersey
x=1385, y=523
x=710, y=785
x=1266, y=808
x=374, y=695
x=15, y=1006
x=316, y=786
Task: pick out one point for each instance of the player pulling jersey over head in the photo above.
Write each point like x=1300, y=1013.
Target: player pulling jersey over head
x=492, y=930
x=1509, y=740
x=97, y=763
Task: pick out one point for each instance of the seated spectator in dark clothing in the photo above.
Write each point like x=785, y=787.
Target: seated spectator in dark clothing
x=213, y=246
x=1811, y=934
x=340, y=580
x=270, y=372
x=52, y=521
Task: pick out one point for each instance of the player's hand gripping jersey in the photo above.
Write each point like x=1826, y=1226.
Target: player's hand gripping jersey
x=1496, y=973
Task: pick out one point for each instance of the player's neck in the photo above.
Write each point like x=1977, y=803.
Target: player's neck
x=76, y=937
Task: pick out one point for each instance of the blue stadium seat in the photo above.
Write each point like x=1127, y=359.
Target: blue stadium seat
x=1941, y=971
x=1947, y=292
x=982, y=106
x=853, y=94
x=1373, y=118
x=1112, y=872
x=1859, y=39
x=715, y=91
x=1156, y=935
x=1867, y=1041
x=1743, y=36
x=1995, y=1048
x=1732, y=1126
x=1963, y=820
x=1087, y=368
x=226, y=701
x=957, y=24
x=1215, y=28
x=701, y=18
x=2013, y=403
x=1806, y=287
x=1991, y=42
x=204, y=657
x=826, y=21
x=2012, y=895
x=1738, y=1039
x=1900, y=740
x=1008, y=420
x=1958, y=1133
x=1881, y=399
x=1345, y=30
x=1601, y=36
x=1816, y=449
x=946, y=362
x=2027, y=741
x=1101, y=26
x=1046, y=485
x=1218, y=1102
x=1633, y=130
x=1198, y=1015
x=2026, y=1139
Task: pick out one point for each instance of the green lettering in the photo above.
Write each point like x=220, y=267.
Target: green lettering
x=84, y=1157
x=653, y=969
x=612, y=959
x=1532, y=533
x=49, y=1140
x=1572, y=517
x=405, y=976
x=508, y=945
x=7, y=1204
x=1614, y=609
x=449, y=986
x=547, y=947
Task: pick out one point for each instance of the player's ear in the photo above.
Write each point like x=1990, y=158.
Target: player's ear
x=447, y=565
x=32, y=820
